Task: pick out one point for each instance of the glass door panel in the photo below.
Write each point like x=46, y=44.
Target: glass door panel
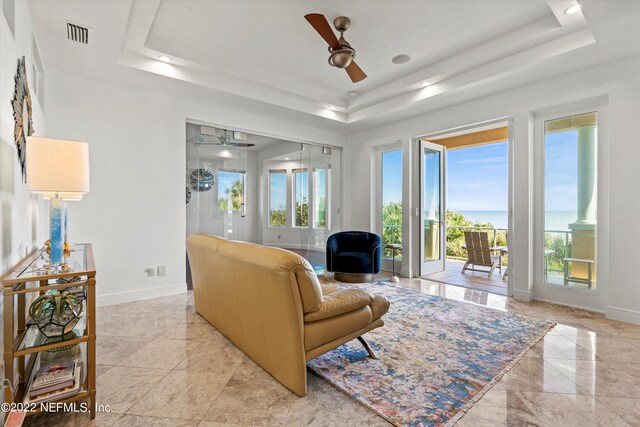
x=391, y=220
x=319, y=184
x=432, y=216
x=570, y=200
x=232, y=193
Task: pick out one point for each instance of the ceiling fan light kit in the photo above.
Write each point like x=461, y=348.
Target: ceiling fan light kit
x=342, y=55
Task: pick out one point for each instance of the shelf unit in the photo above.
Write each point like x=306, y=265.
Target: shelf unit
x=24, y=343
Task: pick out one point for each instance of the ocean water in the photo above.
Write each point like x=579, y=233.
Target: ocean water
x=554, y=220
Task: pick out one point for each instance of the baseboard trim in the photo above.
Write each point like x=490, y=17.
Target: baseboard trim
x=579, y=307
x=140, y=294
x=525, y=296
x=623, y=315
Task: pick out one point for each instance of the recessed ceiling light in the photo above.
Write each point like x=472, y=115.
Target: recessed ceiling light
x=164, y=58
x=331, y=107
x=353, y=93
x=572, y=9
x=425, y=83
x=400, y=59
x=286, y=158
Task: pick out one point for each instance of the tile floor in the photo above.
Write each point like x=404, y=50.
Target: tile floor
x=161, y=364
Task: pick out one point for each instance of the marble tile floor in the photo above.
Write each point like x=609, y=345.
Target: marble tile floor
x=161, y=364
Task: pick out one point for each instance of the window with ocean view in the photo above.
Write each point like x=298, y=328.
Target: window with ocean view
x=391, y=200
x=570, y=200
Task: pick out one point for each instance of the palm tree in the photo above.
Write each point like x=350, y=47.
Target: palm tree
x=235, y=194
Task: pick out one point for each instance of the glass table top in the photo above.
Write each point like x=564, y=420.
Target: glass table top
x=38, y=268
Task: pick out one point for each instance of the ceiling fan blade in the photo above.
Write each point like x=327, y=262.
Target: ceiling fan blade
x=355, y=73
x=320, y=24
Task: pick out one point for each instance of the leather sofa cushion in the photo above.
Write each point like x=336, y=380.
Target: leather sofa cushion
x=337, y=301
x=283, y=261
x=379, y=306
x=327, y=330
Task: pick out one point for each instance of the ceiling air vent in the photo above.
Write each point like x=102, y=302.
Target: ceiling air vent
x=77, y=33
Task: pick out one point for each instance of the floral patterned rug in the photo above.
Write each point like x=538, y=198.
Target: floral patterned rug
x=437, y=357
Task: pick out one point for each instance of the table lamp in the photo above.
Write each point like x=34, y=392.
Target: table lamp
x=59, y=170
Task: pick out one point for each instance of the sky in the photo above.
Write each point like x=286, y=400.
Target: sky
x=278, y=190
x=477, y=177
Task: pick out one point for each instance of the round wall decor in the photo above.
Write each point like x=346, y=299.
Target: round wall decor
x=23, y=122
x=201, y=180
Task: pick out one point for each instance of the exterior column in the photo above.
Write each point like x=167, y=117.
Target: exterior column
x=583, y=235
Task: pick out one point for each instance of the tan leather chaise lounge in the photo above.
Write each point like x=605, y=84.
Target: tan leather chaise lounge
x=269, y=302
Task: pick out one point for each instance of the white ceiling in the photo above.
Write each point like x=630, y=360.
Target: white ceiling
x=266, y=51
x=270, y=42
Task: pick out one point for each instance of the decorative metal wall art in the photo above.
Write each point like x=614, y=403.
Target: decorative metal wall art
x=23, y=122
x=188, y=195
x=201, y=180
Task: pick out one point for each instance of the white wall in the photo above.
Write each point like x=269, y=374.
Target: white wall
x=135, y=212
x=22, y=215
x=619, y=83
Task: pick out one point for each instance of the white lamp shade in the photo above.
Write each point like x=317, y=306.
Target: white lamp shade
x=56, y=166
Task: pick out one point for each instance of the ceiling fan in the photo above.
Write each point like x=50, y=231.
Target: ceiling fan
x=228, y=138
x=342, y=54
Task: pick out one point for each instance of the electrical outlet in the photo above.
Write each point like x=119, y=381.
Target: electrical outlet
x=162, y=270
x=151, y=271
x=279, y=237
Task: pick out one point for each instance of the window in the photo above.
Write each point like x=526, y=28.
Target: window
x=391, y=200
x=320, y=210
x=570, y=201
x=277, y=198
x=231, y=190
x=301, y=197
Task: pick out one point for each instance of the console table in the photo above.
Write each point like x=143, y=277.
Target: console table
x=23, y=341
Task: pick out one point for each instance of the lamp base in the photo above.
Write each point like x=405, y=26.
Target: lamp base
x=57, y=229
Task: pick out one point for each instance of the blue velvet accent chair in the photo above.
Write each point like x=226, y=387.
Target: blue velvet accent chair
x=354, y=256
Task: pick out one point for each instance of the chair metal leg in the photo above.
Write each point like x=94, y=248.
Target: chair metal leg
x=365, y=344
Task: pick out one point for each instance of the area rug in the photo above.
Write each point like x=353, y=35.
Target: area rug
x=437, y=357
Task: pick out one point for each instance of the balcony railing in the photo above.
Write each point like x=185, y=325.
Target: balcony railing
x=557, y=241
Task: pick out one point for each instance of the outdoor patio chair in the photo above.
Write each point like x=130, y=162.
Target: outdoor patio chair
x=480, y=253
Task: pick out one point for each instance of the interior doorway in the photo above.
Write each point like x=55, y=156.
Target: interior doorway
x=464, y=207
x=261, y=189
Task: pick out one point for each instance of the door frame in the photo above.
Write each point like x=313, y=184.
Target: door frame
x=433, y=266
x=416, y=194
